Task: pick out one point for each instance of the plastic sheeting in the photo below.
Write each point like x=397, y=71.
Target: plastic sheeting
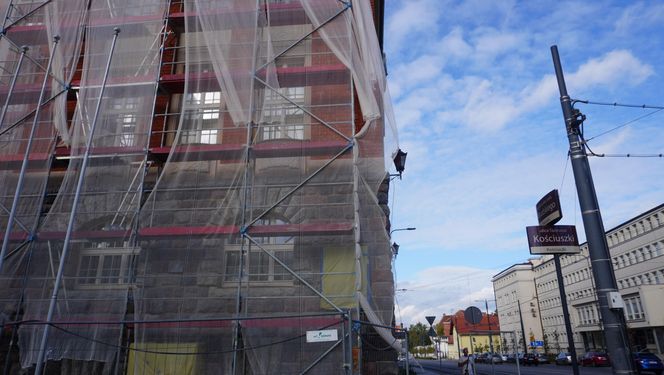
x=97, y=269
x=264, y=221
x=24, y=27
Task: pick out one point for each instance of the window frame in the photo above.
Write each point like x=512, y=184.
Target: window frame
x=102, y=252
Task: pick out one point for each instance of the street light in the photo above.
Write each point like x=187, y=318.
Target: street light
x=395, y=246
x=399, y=162
x=396, y=230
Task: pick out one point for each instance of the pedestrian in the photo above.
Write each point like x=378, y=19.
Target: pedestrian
x=467, y=363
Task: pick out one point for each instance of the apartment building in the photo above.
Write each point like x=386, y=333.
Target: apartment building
x=191, y=187
x=517, y=302
x=637, y=251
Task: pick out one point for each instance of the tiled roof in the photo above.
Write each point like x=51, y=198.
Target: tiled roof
x=464, y=328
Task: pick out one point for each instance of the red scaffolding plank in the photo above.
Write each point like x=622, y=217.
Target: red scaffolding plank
x=310, y=229
x=292, y=76
x=269, y=149
x=305, y=322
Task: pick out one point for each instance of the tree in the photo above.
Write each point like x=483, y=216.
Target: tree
x=417, y=336
x=440, y=329
x=556, y=338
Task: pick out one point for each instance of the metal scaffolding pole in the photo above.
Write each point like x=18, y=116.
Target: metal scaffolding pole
x=24, y=165
x=245, y=200
x=24, y=50
x=72, y=216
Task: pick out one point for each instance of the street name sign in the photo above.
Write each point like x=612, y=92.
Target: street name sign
x=535, y=344
x=548, y=209
x=322, y=336
x=556, y=239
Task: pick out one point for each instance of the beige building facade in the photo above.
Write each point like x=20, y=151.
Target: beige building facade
x=637, y=252
x=514, y=287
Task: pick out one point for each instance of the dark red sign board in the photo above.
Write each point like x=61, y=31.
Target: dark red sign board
x=548, y=209
x=554, y=239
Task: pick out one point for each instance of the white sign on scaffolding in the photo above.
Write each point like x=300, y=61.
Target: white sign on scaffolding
x=322, y=336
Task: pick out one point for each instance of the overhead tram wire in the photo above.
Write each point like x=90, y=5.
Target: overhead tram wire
x=616, y=104
x=629, y=155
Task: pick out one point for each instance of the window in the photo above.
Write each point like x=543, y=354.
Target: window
x=283, y=118
x=633, y=308
x=120, y=123
x=105, y=265
x=201, y=118
x=260, y=267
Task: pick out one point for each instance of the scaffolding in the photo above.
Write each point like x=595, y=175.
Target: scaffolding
x=193, y=187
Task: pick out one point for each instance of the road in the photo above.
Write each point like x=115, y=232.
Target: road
x=450, y=368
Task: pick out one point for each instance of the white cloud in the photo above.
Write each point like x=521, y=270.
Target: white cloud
x=442, y=290
x=454, y=45
x=491, y=43
x=422, y=70
x=414, y=16
x=614, y=69
x=488, y=110
x=639, y=15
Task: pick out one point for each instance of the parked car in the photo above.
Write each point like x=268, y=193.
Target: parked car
x=564, y=358
x=511, y=358
x=529, y=359
x=542, y=358
x=496, y=358
x=504, y=357
x=595, y=359
x=648, y=362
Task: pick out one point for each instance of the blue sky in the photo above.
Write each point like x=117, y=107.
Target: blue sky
x=478, y=113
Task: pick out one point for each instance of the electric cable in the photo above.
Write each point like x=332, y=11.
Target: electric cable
x=593, y=153
x=616, y=104
x=562, y=182
x=625, y=124
x=124, y=347
x=626, y=155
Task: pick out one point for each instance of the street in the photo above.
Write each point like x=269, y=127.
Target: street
x=450, y=367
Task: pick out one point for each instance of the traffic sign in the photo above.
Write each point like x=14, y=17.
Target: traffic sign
x=432, y=332
x=473, y=315
x=430, y=319
x=537, y=343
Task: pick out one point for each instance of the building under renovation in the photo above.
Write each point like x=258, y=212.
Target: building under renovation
x=195, y=187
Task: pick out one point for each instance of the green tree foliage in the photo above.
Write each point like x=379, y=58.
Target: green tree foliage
x=417, y=336
x=440, y=329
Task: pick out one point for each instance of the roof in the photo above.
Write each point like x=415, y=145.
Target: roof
x=510, y=269
x=450, y=322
